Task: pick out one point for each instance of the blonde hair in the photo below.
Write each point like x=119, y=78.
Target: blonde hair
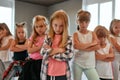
x=35, y=20
x=113, y=23
x=20, y=25
x=101, y=31
x=60, y=14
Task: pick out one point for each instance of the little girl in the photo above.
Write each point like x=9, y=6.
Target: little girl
x=19, y=47
x=31, y=70
x=6, y=40
x=115, y=40
x=19, y=44
x=104, y=55
x=57, y=49
x=85, y=44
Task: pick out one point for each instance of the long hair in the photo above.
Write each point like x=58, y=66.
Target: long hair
x=35, y=20
x=20, y=25
x=1, y=27
x=113, y=23
x=60, y=14
x=4, y=25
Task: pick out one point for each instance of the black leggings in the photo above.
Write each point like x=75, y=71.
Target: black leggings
x=105, y=79
x=31, y=70
x=57, y=77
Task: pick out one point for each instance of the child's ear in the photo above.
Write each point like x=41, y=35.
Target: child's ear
x=16, y=24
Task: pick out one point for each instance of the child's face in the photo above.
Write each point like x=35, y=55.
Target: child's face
x=116, y=29
x=21, y=33
x=83, y=25
x=4, y=32
x=102, y=39
x=58, y=26
x=40, y=27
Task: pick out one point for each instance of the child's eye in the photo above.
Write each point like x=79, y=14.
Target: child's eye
x=61, y=25
x=41, y=26
x=36, y=26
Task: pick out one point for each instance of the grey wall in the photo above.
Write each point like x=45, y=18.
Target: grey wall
x=71, y=7
x=25, y=12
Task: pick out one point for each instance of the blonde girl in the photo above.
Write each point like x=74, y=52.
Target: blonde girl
x=5, y=54
x=115, y=40
x=85, y=43
x=19, y=44
x=32, y=69
x=19, y=48
x=57, y=49
x=104, y=55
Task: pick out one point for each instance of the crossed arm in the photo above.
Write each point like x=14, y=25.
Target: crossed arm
x=105, y=57
x=94, y=45
x=17, y=48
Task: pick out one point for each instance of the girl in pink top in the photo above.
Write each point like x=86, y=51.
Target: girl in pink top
x=57, y=50
x=33, y=67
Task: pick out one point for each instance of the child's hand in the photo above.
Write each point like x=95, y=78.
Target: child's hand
x=56, y=51
x=76, y=46
x=46, y=46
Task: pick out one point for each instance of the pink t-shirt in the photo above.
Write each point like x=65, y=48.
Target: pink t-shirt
x=56, y=68
x=36, y=55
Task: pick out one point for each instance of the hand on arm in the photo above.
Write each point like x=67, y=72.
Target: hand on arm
x=115, y=44
x=6, y=47
x=77, y=44
x=56, y=51
x=94, y=45
x=110, y=56
x=24, y=46
x=14, y=48
x=32, y=47
x=99, y=56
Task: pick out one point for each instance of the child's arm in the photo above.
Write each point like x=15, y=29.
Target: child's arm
x=99, y=56
x=24, y=46
x=6, y=47
x=80, y=46
x=95, y=44
x=110, y=56
x=16, y=48
x=32, y=48
x=57, y=51
x=65, y=54
x=115, y=44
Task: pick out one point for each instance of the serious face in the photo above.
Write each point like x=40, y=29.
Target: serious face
x=58, y=26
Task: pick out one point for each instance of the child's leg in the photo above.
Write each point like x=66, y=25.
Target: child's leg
x=105, y=79
x=91, y=74
x=77, y=72
x=11, y=73
x=115, y=69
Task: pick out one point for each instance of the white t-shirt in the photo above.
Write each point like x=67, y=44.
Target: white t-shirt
x=117, y=53
x=86, y=59
x=103, y=68
x=5, y=55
